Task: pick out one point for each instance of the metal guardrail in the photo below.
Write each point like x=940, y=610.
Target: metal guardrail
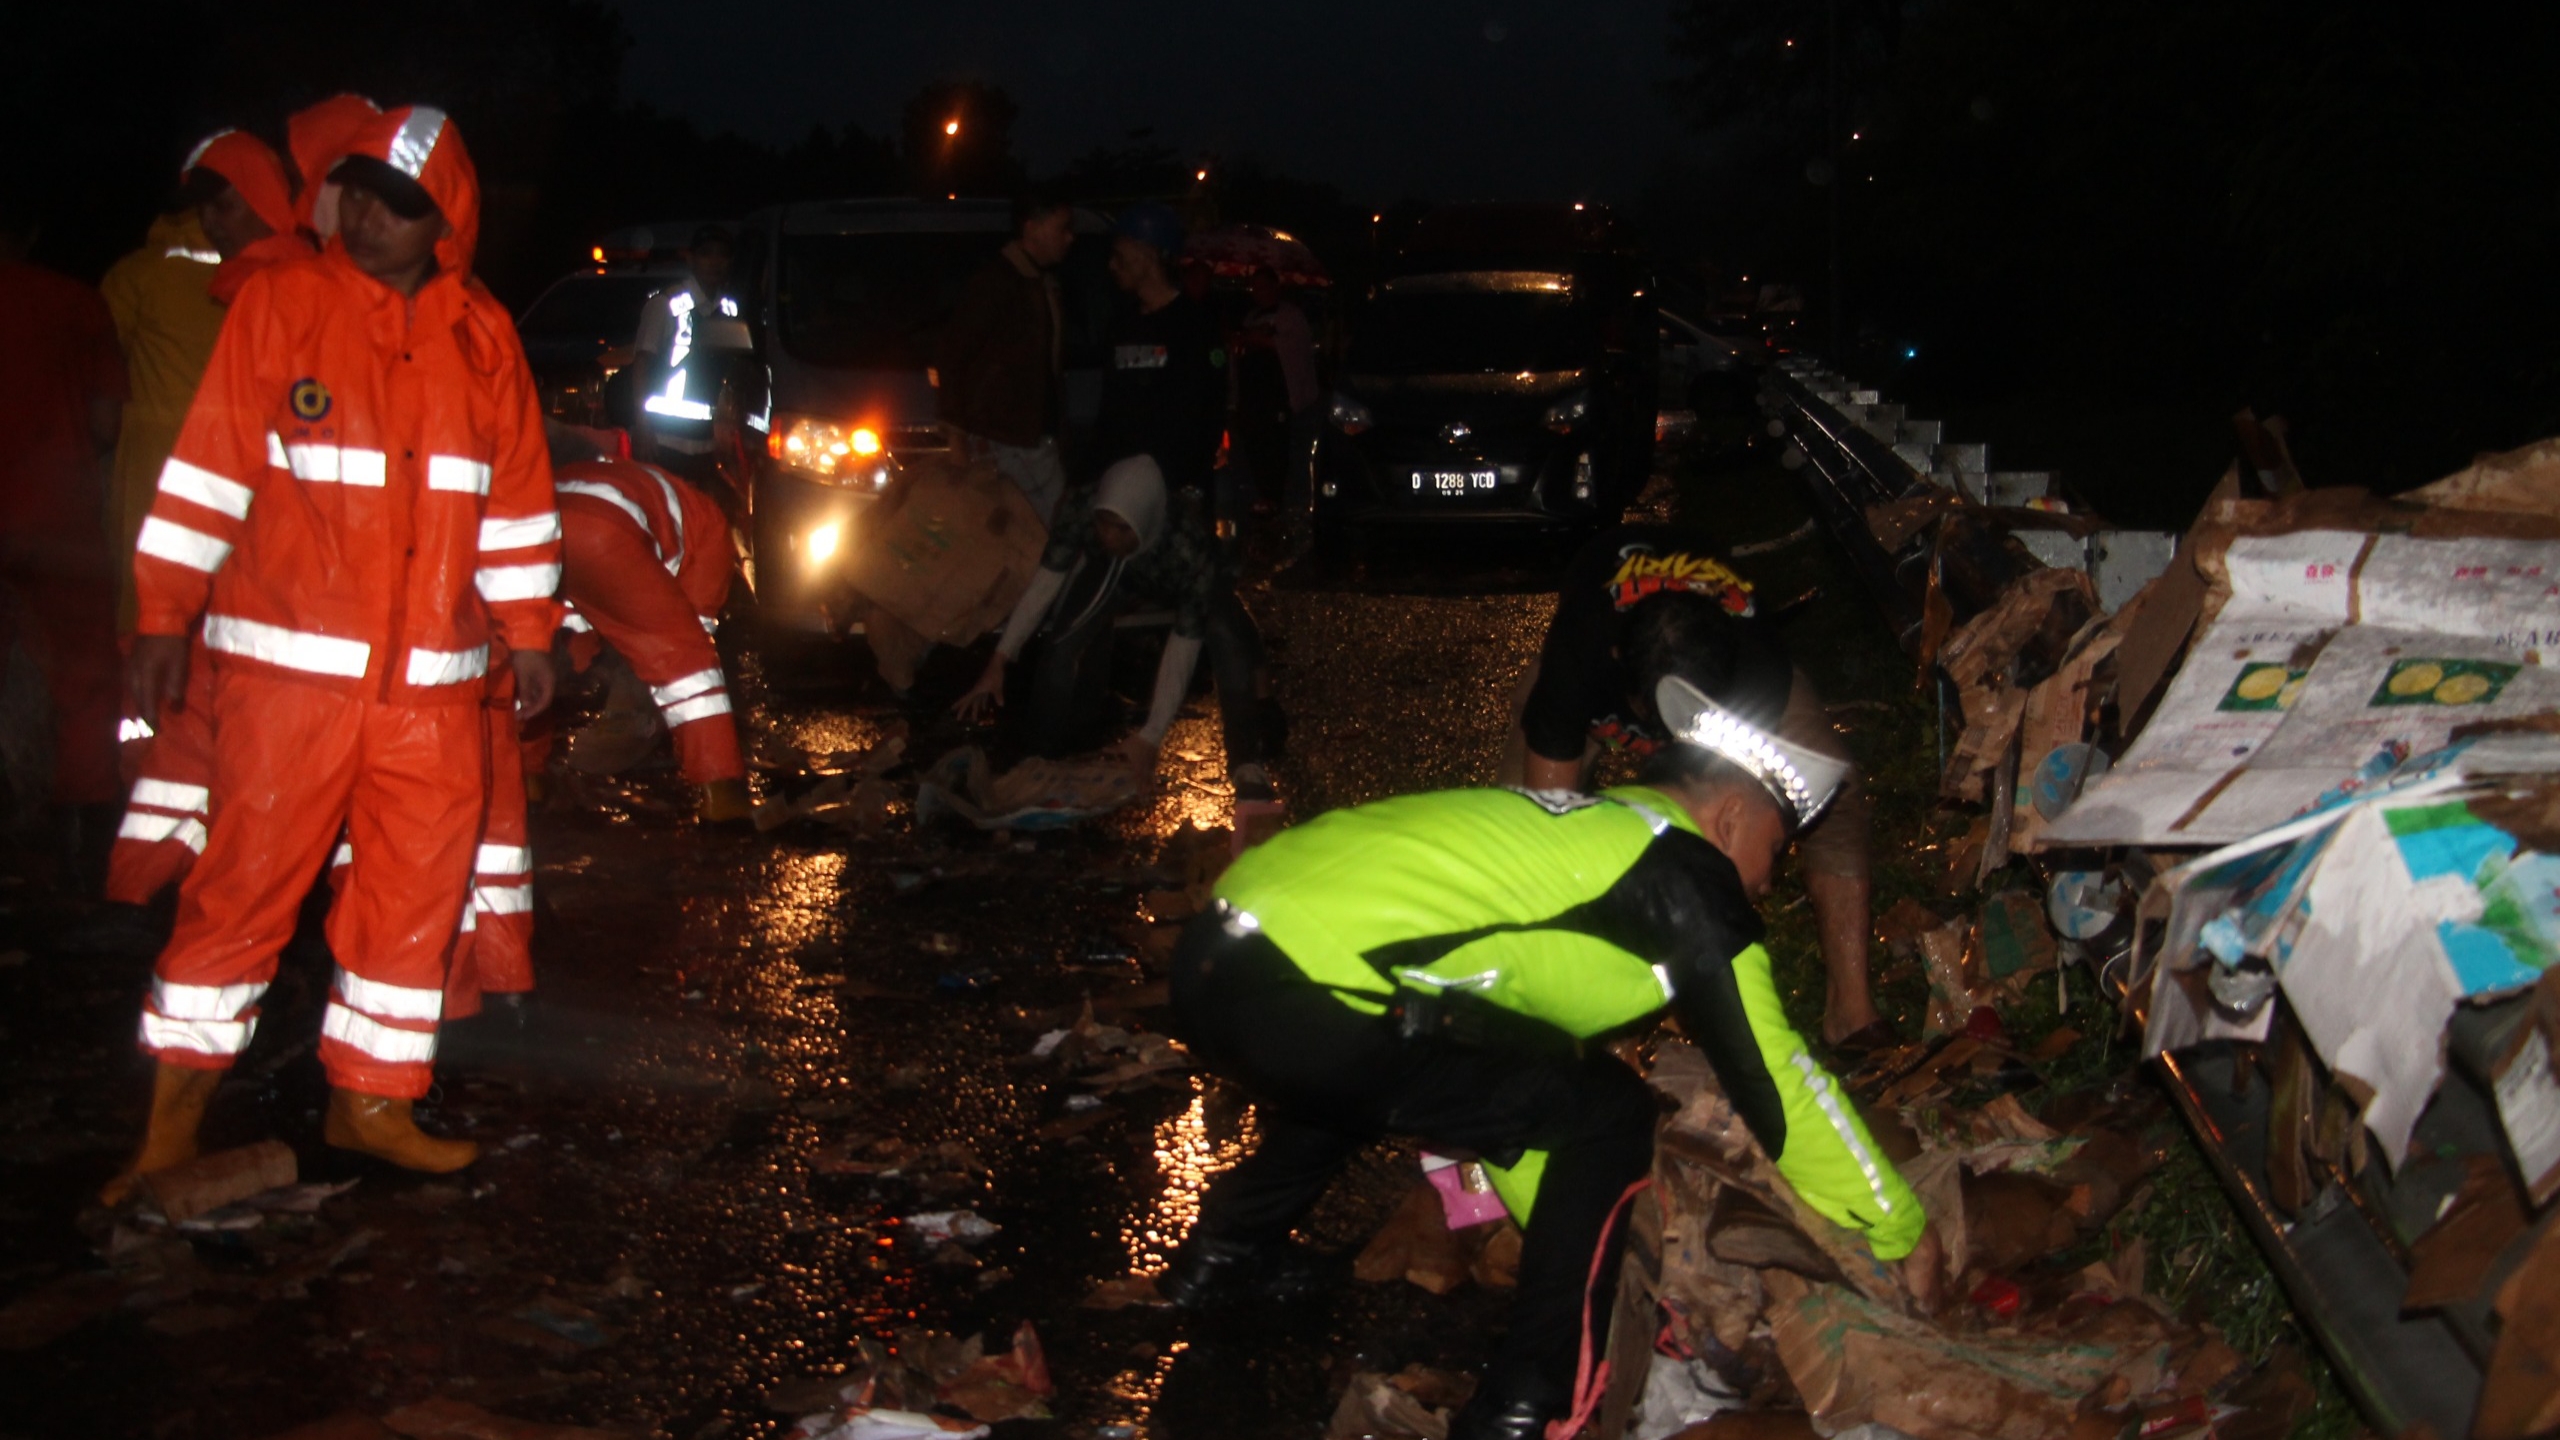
x=1855, y=451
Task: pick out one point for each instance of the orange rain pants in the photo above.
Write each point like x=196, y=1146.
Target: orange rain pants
x=296, y=763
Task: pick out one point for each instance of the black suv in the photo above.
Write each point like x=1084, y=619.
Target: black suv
x=1501, y=371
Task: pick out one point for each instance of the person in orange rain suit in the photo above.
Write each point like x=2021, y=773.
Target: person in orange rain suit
x=646, y=569
x=62, y=384
x=360, y=501
x=319, y=137
x=245, y=205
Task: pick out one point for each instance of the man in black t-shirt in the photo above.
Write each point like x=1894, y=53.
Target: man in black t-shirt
x=1165, y=393
x=1618, y=628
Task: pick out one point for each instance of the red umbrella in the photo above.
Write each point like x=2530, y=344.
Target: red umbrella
x=1239, y=250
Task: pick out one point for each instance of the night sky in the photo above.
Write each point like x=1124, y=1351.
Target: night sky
x=1389, y=98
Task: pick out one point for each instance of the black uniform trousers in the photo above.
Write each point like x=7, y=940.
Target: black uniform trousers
x=1327, y=1079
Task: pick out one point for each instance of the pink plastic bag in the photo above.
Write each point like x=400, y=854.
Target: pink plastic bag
x=1466, y=1192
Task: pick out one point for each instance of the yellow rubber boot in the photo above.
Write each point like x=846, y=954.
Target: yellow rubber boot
x=179, y=1095
x=725, y=802
x=380, y=1126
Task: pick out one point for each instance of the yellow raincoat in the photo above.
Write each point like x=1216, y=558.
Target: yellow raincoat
x=166, y=321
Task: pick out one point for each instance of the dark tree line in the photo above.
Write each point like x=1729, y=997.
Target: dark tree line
x=104, y=101
x=110, y=97
x=2114, y=216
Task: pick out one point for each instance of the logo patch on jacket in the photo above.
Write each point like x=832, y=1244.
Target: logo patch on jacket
x=309, y=398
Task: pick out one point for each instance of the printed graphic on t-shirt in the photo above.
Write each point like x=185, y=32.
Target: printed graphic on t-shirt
x=1138, y=357
x=1618, y=735
x=1643, y=572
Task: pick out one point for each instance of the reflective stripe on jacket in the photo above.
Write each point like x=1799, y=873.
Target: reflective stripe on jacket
x=685, y=527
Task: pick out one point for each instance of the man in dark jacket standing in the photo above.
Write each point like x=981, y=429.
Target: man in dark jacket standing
x=1165, y=395
x=997, y=363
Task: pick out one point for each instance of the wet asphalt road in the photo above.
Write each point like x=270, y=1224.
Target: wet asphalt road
x=666, y=1229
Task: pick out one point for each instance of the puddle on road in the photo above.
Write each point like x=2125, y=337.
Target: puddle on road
x=1190, y=1151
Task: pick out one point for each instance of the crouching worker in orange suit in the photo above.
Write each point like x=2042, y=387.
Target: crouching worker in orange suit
x=359, y=502
x=646, y=568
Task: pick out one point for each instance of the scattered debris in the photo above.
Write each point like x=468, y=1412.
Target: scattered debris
x=1034, y=795
x=184, y=1192
x=1121, y=1292
x=1415, y=1403
x=964, y=1226
x=443, y=1418
x=891, y=1395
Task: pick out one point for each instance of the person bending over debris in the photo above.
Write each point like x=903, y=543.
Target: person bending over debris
x=1130, y=542
x=1441, y=967
x=1628, y=601
x=647, y=565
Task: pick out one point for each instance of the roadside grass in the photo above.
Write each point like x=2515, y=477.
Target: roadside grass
x=2201, y=1260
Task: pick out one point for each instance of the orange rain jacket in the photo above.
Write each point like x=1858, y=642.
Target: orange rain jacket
x=648, y=566
x=361, y=493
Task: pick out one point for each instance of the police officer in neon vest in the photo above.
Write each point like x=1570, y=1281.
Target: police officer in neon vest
x=1442, y=966
x=688, y=335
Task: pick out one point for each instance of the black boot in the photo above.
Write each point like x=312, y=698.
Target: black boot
x=1518, y=1410
x=1517, y=1420
x=1205, y=1274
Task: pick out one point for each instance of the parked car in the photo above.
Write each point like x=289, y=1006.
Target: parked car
x=1502, y=371
x=847, y=298
x=577, y=336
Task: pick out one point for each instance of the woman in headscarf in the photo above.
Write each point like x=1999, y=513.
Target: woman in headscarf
x=1124, y=545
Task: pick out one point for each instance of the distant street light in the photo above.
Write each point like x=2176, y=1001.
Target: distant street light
x=950, y=127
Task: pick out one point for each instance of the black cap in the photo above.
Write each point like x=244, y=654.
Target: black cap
x=406, y=197
x=714, y=235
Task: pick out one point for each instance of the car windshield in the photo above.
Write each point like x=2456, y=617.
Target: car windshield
x=602, y=308
x=873, y=302
x=1473, y=322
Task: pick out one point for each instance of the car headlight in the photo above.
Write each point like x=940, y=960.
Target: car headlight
x=1568, y=412
x=1348, y=415
x=824, y=542
x=831, y=451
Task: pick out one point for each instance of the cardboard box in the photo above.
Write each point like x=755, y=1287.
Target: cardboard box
x=949, y=550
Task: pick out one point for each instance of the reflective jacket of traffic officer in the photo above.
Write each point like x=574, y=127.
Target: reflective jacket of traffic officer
x=686, y=351
x=1552, y=907
x=1433, y=966
x=359, y=500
